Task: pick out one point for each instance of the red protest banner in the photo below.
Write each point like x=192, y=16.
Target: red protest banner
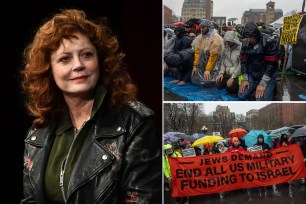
x=229, y=171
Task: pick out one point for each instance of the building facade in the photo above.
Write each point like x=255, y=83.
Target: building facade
x=197, y=9
x=219, y=20
x=266, y=16
x=167, y=15
x=277, y=115
x=252, y=119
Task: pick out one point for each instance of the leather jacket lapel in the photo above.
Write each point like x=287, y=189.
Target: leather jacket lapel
x=95, y=157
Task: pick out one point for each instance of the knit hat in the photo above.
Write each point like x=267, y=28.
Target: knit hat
x=208, y=145
x=235, y=139
x=206, y=22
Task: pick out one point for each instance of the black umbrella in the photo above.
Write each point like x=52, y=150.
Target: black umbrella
x=193, y=21
x=184, y=136
x=216, y=26
x=297, y=126
x=300, y=132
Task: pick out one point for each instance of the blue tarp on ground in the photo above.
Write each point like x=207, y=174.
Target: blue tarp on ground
x=194, y=92
x=303, y=97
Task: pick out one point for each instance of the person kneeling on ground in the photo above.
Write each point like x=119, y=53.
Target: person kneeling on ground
x=180, y=58
x=230, y=64
x=259, y=63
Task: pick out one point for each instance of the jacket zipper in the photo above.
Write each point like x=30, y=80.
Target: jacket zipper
x=63, y=166
x=64, y=162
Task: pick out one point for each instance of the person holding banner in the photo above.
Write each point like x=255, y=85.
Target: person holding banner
x=236, y=146
x=170, y=152
x=220, y=147
x=302, y=143
x=261, y=143
x=262, y=146
x=259, y=63
x=283, y=141
x=209, y=149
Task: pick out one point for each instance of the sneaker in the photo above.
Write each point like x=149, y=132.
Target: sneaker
x=276, y=193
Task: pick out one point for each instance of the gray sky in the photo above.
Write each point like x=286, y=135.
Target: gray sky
x=235, y=8
x=236, y=107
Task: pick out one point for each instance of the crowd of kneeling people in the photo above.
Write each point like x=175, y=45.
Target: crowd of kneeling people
x=233, y=145
x=245, y=61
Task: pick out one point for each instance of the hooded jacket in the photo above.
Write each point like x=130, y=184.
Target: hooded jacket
x=120, y=164
x=264, y=146
x=208, y=50
x=223, y=147
x=207, y=56
x=230, y=61
x=260, y=60
x=166, y=165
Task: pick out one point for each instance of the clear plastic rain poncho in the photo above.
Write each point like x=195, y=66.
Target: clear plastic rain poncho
x=230, y=62
x=208, y=51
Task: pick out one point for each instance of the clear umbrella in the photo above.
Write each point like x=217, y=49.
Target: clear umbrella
x=278, y=132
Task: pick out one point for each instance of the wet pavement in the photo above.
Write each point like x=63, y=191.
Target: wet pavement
x=241, y=196
x=296, y=86
x=293, y=88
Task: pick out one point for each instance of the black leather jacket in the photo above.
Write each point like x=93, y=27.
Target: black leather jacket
x=260, y=60
x=121, y=164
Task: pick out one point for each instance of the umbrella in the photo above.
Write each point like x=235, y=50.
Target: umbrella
x=297, y=126
x=251, y=138
x=175, y=136
x=207, y=139
x=278, y=132
x=238, y=132
x=300, y=132
x=193, y=21
x=178, y=24
x=216, y=26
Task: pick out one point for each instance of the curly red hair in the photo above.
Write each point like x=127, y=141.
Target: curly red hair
x=44, y=100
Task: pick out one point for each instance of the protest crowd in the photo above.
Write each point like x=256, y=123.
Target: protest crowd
x=245, y=60
x=214, y=164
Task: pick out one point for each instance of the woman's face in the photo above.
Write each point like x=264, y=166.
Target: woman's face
x=75, y=66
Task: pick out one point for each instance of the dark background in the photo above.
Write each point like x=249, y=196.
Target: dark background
x=139, y=30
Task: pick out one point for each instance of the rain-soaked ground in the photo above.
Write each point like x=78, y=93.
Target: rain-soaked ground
x=241, y=196
x=294, y=84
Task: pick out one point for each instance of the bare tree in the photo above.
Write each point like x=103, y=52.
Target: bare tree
x=225, y=118
x=252, y=123
x=183, y=117
x=192, y=113
x=173, y=117
x=212, y=124
x=240, y=121
x=268, y=122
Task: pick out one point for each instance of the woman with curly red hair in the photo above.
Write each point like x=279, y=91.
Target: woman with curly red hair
x=91, y=141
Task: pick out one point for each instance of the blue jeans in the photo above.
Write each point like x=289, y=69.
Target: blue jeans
x=268, y=94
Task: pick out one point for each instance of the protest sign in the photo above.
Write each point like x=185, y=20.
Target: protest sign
x=188, y=152
x=229, y=171
x=290, y=29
